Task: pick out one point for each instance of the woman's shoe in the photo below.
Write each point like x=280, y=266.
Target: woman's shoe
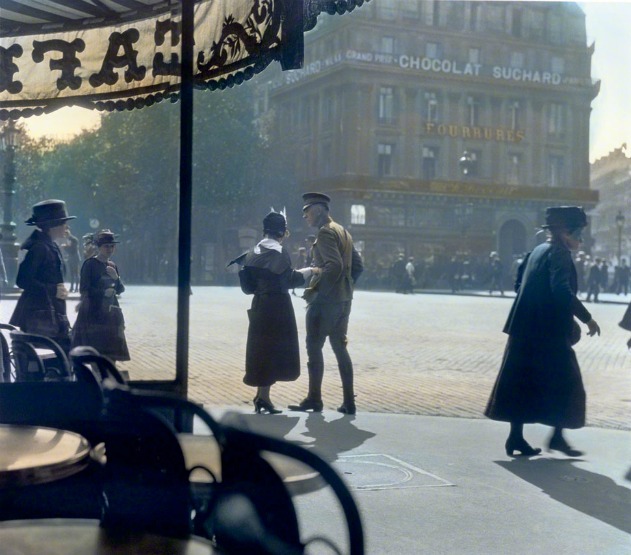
x=261, y=405
x=558, y=443
x=521, y=445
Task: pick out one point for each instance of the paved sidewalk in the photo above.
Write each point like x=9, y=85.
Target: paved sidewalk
x=444, y=485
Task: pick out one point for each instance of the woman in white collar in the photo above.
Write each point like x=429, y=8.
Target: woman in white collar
x=272, y=351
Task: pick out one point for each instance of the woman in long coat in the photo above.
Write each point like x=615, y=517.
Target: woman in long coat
x=272, y=351
x=540, y=380
x=100, y=323
x=41, y=309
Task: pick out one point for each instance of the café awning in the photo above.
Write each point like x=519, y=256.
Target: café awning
x=124, y=54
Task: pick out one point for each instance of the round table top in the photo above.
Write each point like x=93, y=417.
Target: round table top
x=34, y=455
x=86, y=537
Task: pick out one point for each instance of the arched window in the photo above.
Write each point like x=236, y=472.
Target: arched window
x=358, y=214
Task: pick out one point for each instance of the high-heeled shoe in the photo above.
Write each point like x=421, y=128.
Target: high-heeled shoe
x=261, y=405
x=558, y=443
x=521, y=445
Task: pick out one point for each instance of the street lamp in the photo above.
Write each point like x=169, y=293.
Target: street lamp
x=9, y=142
x=620, y=223
x=466, y=163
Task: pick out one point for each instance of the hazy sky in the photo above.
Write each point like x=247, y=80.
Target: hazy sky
x=608, y=24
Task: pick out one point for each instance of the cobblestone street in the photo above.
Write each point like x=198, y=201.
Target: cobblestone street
x=427, y=354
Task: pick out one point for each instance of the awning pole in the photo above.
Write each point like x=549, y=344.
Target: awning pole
x=185, y=199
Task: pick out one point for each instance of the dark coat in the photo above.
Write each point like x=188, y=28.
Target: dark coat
x=539, y=379
x=100, y=323
x=272, y=351
x=38, y=276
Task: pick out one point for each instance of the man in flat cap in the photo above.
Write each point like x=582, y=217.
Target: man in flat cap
x=329, y=296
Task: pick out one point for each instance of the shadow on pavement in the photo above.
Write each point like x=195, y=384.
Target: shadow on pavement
x=592, y=494
x=334, y=437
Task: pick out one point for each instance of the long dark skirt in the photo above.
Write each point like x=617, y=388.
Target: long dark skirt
x=272, y=351
x=539, y=381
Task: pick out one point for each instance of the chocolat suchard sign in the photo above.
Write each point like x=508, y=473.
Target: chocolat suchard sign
x=426, y=65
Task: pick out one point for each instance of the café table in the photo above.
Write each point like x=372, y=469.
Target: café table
x=87, y=537
x=203, y=451
x=35, y=455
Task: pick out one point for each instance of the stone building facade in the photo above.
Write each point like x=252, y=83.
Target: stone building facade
x=441, y=128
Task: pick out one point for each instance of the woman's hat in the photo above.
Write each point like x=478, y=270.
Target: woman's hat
x=105, y=237
x=52, y=212
x=568, y=217
x=274, y=223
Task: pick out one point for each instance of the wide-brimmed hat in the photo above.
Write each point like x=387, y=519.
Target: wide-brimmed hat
x=274, y=223
x=568, y=217
x=315, y=198
x=105, y=237
x=52, y=212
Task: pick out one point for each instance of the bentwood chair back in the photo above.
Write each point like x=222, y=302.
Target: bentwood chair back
x=31, y=366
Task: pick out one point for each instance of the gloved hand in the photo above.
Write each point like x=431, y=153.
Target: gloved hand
x=62, y=292
x=111, y=272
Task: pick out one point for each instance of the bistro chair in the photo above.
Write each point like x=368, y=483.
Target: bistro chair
x=7, y=373
x=33, y=365
x=246, y=506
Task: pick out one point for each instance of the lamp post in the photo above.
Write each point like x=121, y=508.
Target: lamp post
x=9, y=142
x=620, y=219
x=466, y=163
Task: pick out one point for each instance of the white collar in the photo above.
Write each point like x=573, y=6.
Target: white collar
x=268, y=243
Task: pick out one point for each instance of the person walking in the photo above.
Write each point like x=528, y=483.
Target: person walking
x=272, y=350
x=594, y=280
x=329, y=297
x=100, y=322
x=73, y=258
x=623, y=279
x=540, y=379
x=41, y=308
x=497, y=274
x=398, y=273
x=410, y=276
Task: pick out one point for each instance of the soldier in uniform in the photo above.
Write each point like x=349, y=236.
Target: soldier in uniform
x=329, y=296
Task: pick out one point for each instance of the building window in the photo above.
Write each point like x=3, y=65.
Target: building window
x=473, y=111
x=556, y=168
x=517, y=59
x=387, y=45
x=555, y=29
x=387, y=9
x=495, y=16
x=328, y=107
x=516, y=23
x=513, y=173
x=515, y=114
x=326, y=161
x=474, y=22
x=409, y=8
x=429, y=161
x=384, y=159
x=557, y=65
x=556, y=119
x=474, y=55
x=386, y=104
x=432, y=50
x=389, y=216
x=358, y=215
x=430, y=107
